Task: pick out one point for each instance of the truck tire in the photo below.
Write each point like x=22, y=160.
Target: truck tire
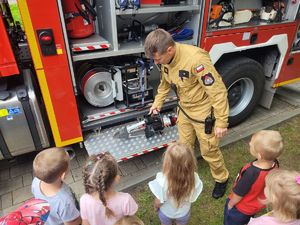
x=244, y=79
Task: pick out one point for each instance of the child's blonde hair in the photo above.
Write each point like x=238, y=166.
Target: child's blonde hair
x=282, y=192
x=99, y=174
x=50, y=164
x=179, y=165
x=268, y=143
x=129, y=220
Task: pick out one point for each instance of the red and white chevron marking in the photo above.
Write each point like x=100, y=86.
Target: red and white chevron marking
x=90, y=48
x=93, y=117
x=144, y=152
x=108, y=114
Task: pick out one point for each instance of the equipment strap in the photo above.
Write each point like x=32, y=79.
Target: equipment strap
x=173, y=86
x=142, y=80
x=24, y=99
x=3, y=148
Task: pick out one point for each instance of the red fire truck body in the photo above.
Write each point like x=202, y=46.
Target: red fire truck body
x=58, y=62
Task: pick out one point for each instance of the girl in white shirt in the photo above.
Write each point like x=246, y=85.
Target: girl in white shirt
x=177, y=186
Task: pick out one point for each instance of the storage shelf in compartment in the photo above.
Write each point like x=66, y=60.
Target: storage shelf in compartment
x=124, y=49
x=138, y=47
x=93, y=42
x=95, y=55
x=131, y=47
x=159, y=9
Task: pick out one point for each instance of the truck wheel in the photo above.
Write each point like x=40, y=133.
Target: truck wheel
x=244, y=79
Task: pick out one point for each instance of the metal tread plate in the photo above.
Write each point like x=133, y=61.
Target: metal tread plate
x=124, y=149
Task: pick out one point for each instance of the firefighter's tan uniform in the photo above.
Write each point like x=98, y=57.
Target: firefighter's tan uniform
x=199, y=88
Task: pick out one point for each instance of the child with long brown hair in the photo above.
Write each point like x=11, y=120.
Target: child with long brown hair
x=282, y=193
x=177, y=186
x=101, y=204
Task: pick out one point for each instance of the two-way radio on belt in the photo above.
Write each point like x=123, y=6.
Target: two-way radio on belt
x=209, y=120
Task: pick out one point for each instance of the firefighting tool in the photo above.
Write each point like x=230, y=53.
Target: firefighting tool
x=137, y=91
x=223, y=14
x=273, y=11
x=80, y=16
x=182, y=34
x=135, y=31
x=100, y=86
x=149, y=126
x=128, y=4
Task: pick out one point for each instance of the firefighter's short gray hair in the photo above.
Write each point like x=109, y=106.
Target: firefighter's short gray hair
x=158, y=41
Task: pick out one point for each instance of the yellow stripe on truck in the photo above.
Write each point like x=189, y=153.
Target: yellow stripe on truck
x=286, y=82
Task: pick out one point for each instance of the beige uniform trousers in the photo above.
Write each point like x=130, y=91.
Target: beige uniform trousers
x=209, y=145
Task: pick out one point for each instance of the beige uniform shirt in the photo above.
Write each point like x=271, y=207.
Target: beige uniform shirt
x=199, y=85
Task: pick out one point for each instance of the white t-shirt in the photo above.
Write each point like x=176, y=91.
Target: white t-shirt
x=159, y=188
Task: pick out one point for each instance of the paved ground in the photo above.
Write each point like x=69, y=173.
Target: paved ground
x=15, y=179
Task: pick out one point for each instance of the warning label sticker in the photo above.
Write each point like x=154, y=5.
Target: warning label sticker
x=3, y=112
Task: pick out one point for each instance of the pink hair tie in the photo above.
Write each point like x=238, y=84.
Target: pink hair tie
x=99, y=156
x=298, y=179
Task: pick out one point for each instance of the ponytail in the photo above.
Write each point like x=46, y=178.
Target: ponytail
x=101, y=189
x=99, y=174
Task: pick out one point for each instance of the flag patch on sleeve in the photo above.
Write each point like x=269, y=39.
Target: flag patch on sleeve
x=199, y=68
x=208, y=79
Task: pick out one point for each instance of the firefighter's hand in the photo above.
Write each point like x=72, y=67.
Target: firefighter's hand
x=220, y=132
x=153, y=110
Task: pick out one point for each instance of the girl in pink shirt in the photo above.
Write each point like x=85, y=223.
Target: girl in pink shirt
x=101, y=204
x=282, y=193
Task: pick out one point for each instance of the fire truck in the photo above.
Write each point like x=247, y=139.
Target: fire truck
x=74, y=71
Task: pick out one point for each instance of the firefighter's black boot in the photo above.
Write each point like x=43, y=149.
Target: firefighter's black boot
x=219, y=189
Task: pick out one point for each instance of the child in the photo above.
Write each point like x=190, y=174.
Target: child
x=50, y=167
x=102, y=204
x=283, y=195
x=248, y=189
x=177, y=186
x=129, y=220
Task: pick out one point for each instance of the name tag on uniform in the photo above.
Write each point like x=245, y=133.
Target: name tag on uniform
x=183, y=73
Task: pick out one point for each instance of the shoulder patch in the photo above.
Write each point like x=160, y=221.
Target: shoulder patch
x=208, y=79
x=199, y=68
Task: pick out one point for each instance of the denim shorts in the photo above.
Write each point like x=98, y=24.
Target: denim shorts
x=168, y=221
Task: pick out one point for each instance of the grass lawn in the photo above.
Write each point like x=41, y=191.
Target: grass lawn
x=208, y=211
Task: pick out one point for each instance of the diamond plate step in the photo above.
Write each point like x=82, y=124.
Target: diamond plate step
x=124, y=149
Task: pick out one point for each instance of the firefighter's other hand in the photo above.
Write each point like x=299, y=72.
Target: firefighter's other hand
x=220, y=132
x=153, y=110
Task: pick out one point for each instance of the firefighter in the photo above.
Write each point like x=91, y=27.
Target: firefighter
x=201, y=93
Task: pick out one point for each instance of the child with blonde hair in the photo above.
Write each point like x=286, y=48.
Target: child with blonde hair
x=177, y=186
x=50, y=168
x=101, y=204
x=283, y=195
x=129, y=220
x=248, y=189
